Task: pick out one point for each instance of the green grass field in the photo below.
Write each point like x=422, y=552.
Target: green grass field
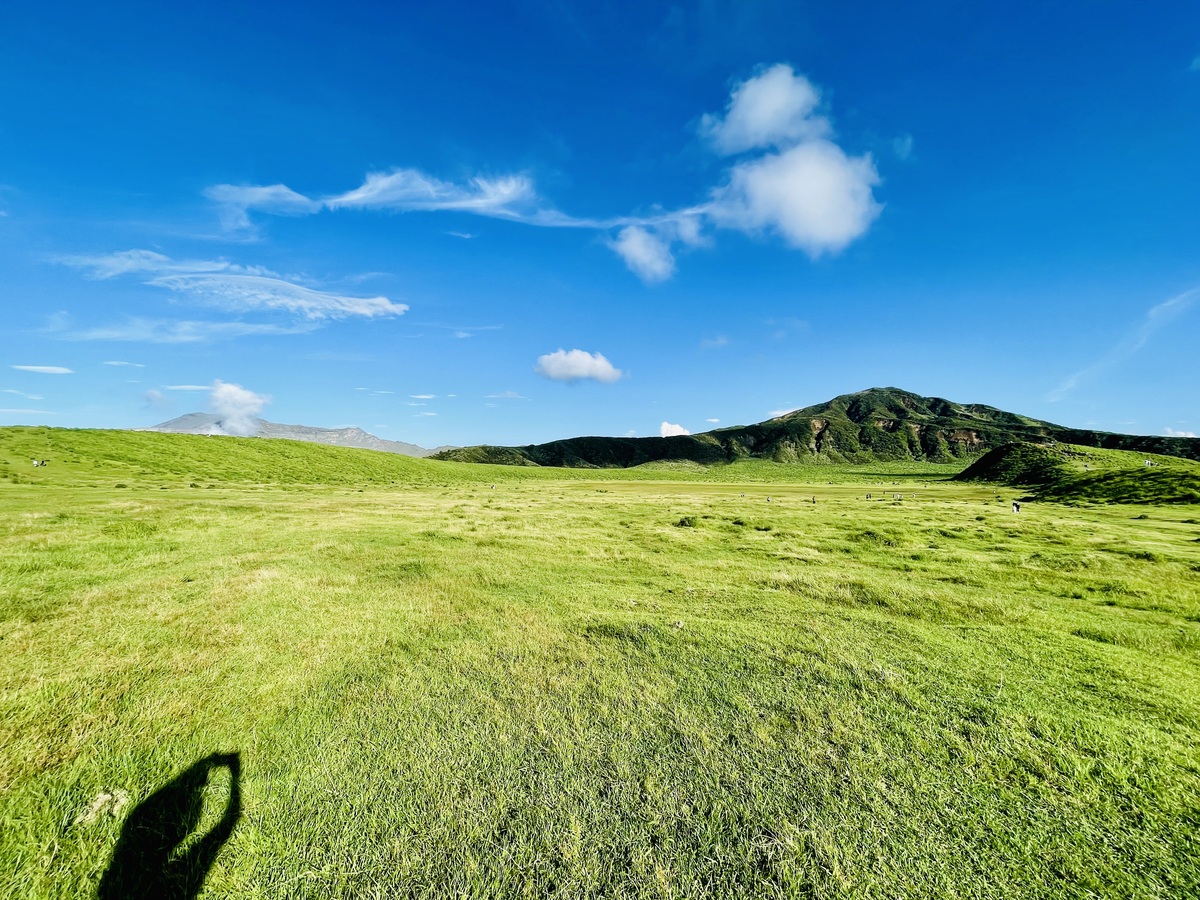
x=654, y=683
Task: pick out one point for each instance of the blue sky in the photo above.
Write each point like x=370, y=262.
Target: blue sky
x=459, y=223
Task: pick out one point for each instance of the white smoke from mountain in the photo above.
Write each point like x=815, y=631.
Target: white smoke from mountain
x=237, y=407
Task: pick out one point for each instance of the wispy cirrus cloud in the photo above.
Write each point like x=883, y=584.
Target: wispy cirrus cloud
x=118, y=362
x=22, y=394
x=219, y=284
x=176, y=331
x=788, y=178
x=45, y=370
x=1155, y=318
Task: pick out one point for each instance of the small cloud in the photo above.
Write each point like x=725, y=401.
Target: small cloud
x=156, y=399
x=423, y=396
x=45, y=370
x=425, y=414
x=410, y=403
x=1171, y=432
x=631, y=433
x=30, y=412
x=237, y=407
x=22, y=394
x=577, y=365
x=1195, y=66
x=463, y=334
x=381, y=393
x=773, y=108
x=712, y=421
x=188, y=387
x=667, y=429
x=466, y=236
x=776, y=413
x=646, y=254
x=163, y=331
x=117, y=362
x=505, y=395
x=903, y=146
x=712, y=343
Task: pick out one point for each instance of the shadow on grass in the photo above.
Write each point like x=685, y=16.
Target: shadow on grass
x=151, y=859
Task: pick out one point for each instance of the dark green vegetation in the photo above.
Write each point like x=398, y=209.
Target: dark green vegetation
x=1066, y=472
x=880, y=424
x=585, y=684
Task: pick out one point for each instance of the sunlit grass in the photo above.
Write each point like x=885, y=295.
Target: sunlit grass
x=613, y=687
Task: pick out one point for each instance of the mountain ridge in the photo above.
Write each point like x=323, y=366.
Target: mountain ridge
x=212, y=423
x=876, y=424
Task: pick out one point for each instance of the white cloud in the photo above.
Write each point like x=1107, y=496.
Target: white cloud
x=794, y=182
x=189, y=387
x=646, y=255
x=163, y=331
x=423, y=396
x=233, y=287
x=237, y=407
x=30, y=412
x=505, y=395
x=712, y=343
x=254, y=292
x=903, y=146
x=772, y=109
x=1171, y=432
x=22, y=394
x=577, y=365
x=406, y=190
x=1156, y=317
x=422, y=414
x=156, y=399
x=776, y=413
x=667, y=429
x=278, y=199
x=117, y=362
x=45, y=370
x=712, y=421
x=813, y=195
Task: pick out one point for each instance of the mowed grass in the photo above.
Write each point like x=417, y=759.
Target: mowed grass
x=617, y=687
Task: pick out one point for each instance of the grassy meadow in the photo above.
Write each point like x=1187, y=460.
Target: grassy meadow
x=442, y=679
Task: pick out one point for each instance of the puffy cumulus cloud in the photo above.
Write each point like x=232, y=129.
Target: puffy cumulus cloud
x=813, y=195
x=577, y=365
x=667, y=429
x=1171, y=432
x=237, y=407
x=771, y=109
x=646, y=254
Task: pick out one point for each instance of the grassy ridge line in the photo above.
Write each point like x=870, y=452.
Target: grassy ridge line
x=1067, y=473
x=101, y=458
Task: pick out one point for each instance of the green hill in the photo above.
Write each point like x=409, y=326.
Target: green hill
x=1066, y=472
x=137, y=458
x=876, y=425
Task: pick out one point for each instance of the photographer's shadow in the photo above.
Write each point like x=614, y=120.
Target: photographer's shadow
x=150, y=859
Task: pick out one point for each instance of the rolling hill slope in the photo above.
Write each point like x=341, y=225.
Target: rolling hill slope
x=1065, y=472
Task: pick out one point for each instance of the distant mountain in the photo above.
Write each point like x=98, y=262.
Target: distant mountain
x=210, y=423
x=873, y=425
